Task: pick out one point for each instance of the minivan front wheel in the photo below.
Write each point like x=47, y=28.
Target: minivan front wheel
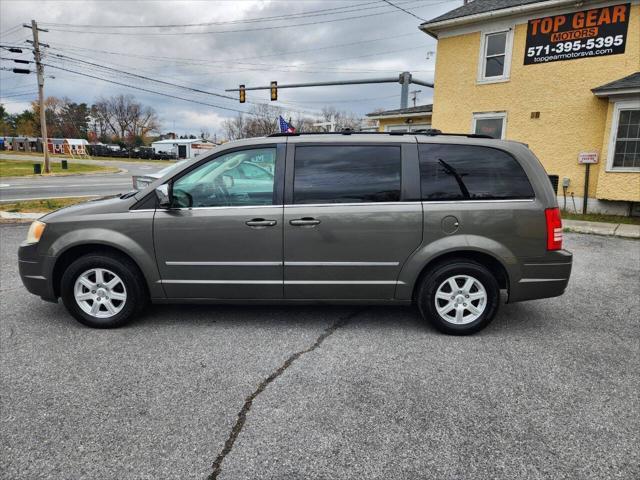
x=103, y=290
x=459, y=298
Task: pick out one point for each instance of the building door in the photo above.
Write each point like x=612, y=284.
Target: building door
x=182, y=151
x=223, y=237
x=347, y=228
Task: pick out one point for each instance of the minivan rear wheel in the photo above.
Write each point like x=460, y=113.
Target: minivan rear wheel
x=460, y=297
x=103, y=290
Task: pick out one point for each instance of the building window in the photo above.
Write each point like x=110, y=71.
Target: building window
x=490, y=124
x=495, y=58
x=624, y=147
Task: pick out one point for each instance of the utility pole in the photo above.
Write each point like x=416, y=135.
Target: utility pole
x=414, y=96
x=40, y=72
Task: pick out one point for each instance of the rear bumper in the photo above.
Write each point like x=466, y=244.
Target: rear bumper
x=33, y=268
x=542, y=278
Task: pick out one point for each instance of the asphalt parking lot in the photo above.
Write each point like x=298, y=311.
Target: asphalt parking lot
x=549, y=390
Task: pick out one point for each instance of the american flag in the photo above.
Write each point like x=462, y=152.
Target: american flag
x=285, y=127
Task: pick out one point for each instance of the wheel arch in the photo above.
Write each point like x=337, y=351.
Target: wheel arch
x=494, y=265
x=68, y=256
x=496, y=257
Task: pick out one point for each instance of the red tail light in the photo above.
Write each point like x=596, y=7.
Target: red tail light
x=554, y=228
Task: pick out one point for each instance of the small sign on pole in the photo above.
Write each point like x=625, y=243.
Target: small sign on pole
x=588, y=157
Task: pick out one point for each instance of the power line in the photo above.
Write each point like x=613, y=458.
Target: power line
x=277, y=54
x=145, y=89
x=155, y=92
x=298, y=67
x=94, y=32
x=309, y=13
x=405, y=11
x=2, y=95
x=197, y=90
x=305, y=14
x=11, y=31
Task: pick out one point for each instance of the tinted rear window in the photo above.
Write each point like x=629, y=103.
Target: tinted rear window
x=346, y=174
x=468, y=172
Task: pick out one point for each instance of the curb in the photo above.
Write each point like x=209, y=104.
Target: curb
x=621, y=230
x=20, y=216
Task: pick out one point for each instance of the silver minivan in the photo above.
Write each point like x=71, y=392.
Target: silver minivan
x=442, y=221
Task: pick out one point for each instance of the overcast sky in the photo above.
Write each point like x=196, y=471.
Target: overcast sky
x=244, y=42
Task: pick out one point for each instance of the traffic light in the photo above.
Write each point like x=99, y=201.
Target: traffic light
x=243, y=94
x=21, y=70
x=274, y=91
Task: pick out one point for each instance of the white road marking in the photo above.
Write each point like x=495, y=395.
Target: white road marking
x=56, y=186
x=4, y=185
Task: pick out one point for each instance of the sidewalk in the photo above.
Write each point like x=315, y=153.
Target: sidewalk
x=600, y=228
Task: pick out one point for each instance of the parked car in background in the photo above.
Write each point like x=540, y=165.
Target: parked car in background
x=442, y=221
x=143, y=181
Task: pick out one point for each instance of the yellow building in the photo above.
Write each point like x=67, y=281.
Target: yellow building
x=403, y=119
x=562, y=76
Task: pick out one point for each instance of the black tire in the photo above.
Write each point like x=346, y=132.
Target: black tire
x=136, y=293
x=427, y=302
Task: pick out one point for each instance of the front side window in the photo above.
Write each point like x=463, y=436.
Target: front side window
x=489, y=124
x=626, y=152
x=469, y=172
x=495, y=57
x=240, y=178
x=346, y=174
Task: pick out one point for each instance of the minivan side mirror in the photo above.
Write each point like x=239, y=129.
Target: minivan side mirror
x=163, y=196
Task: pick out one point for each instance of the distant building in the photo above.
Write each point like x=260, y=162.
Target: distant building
x=183, y=147
x=67, y=146
x=403, y=119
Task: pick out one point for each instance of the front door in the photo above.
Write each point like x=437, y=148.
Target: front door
x=348, y=225
x=222, y=238
x=182, y=151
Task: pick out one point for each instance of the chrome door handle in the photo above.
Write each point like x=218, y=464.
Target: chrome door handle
x=304, y=222
x=260, y=222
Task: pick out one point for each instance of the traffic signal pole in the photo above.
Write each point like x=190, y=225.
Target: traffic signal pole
x=40, y=74
x=404, y=79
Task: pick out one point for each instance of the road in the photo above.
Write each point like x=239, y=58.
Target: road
x=26, y=188
x=548, y=391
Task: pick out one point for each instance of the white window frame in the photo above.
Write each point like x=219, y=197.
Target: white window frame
x=508, y=50
x=613, y=134
x=490, y=115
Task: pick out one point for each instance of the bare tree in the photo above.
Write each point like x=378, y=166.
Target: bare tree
x=124, y=118
x=261, y=121
x=342, y=120
x=205, y=134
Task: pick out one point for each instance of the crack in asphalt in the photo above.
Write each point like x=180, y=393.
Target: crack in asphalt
x=242, y=415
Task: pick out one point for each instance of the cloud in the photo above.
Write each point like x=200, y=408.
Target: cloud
x=214, y=62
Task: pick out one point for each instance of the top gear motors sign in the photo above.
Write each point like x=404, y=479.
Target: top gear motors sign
x=588, y=33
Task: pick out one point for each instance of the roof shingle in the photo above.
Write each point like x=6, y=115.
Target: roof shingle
x=630, y=81
x=479, y=6
x=403, y=111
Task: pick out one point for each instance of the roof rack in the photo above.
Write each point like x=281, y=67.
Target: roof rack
x=431, y=132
